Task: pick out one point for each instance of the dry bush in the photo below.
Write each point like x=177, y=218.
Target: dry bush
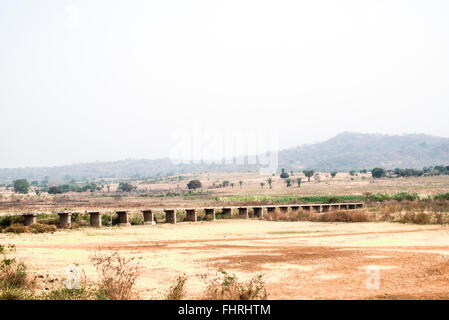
x=417, y=212
x=34, y=228
x=344, y=216
x=59, y=290
x=42, y=228
x=227, y=287
x=15, y=282
x=177, y=289
x=330, y=216
x=117, y=275
x=16, y=228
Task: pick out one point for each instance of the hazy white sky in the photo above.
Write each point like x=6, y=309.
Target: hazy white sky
x=107, y=80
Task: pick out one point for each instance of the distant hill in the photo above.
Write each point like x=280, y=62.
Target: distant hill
x=344, y=152
x=359, y=151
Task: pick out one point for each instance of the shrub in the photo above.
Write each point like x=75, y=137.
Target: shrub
x=401, y=196
x=378, y=197
x=7, y=221
x=42, y=228
x=70, y=294
x=344, y=216
x=136, y=219
x=443, y=196
x=229, y=288
x=16, y=228
x=194, y=184
x=125, y=187
x=54, y=190
x=117, y=275
x=332, y=199
x=177, y=289
x=13, y=274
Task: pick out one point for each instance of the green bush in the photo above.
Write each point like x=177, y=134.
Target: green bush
x=442, y=196
x=378, y=197
x=401, y=196
x=7, y=221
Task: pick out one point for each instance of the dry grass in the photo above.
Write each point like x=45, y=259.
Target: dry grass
x=34, y=228
x=331, y=216
x=227, y=287
x=15, y=282
x=417, y=212
x=118, y=275
x=177, y=290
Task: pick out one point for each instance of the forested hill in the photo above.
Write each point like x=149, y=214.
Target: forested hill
x=344, y=152
x=358, y=151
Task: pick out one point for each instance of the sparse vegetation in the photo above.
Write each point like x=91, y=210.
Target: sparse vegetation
x=177, y=289
x=228, y=287
x=117, y=275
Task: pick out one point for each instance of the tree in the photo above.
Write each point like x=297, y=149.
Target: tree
x=288, y=182
x=308, y=174
x=284, y=175
x=378, y=173
x=21, y=186
x=125, y=187
x=333, y=174
x=298, y=181
x=352, y=173
x=240, y=183
x=232, y=185
x=54, y=190
x=317, y=177
x=270, y=181
x=194, y=184
x=262, y=184
x=225, y=183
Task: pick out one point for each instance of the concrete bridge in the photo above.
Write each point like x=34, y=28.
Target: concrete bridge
x=191, y=213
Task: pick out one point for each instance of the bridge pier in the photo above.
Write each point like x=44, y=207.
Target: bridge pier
x=123, y=218
x=148, y=217
x=226, y=211
x=294, y=208
x=29, y=219
x=325, y=208
x=210, y=211
x=271, y=209
x=317, y=208
x=258, y=212
x=170, y=215
x=283, y=209
x=95, y=219
x=243, y=212
x=65, y=220
x=191, y=215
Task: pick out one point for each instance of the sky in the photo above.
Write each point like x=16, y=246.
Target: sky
x=105, y=80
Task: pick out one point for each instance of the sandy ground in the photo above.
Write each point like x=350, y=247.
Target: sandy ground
x=299, y=260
